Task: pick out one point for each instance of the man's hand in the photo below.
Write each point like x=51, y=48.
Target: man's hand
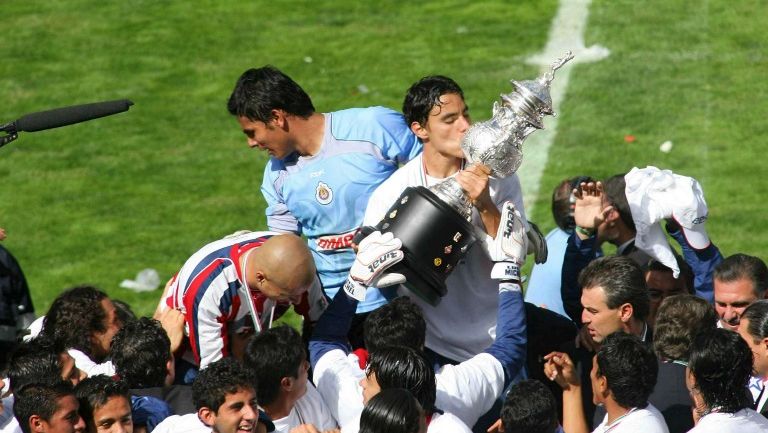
x=2, y=234
x=376, y=253
x=584, y=340
x=172, y=322
x=537, y=243
x=588, y=212
x=474, y=181
x=559, y=368
x=511, y=243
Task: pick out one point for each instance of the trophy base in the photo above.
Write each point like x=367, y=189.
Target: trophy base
x=435, y=237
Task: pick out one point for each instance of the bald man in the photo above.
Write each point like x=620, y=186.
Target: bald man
x=238, y=285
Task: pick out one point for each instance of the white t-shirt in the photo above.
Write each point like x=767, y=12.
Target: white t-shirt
x=309, y=409
x=648, y=420
x=473, y=298
x=743, y=421
x=440, y=423
x=188, y=423
x=337, y=378
x=8, y=422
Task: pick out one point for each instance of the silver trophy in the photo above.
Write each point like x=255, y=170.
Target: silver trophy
x=433, y=223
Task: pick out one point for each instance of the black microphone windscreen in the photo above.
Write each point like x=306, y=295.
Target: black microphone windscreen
x=69, y=115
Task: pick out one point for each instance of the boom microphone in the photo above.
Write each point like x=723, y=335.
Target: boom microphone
x=61, y=117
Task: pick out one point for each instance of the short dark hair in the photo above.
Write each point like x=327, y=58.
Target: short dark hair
x=397, y=323
x=721, y=363
x=630, y=368
x=392, y=410
x=614, y=188
x=404, y=367
x=259, y=91
x=222, y=377
x=757, y=315
x=425, y=94
x=35, y=361
x=140, y=352
x=95, y=391
x=529, y=407
x=686, y=273
x=39, y=399
x=741, y=266
x=74, y=316
x=562, y=204
x=622, y=281
x=679, y=319
x=272, y=355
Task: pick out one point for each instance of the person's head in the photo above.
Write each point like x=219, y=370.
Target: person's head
x=82, y=318
x=141, y=354
x=661, y=284
x=624, y=370
x=434, y=109
x=400, y=367
x=282, y=268
x=224, y=395
x=124, y=311
x=47, y=408
x=679, y=319
x=719, y=370
x=41, y=361
x=393, y=410
x=618, y=223
x=753, y=328
x=613, y=296
x=263, y=101
x=739, y=281
x=277, y=358
x=397, y=323
x=563, y=202
x=529, y=407
x=105, y=405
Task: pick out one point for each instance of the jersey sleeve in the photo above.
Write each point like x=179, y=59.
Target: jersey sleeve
x=392, y=135
x=338, y=382
x=468, y=390
x=279, y=217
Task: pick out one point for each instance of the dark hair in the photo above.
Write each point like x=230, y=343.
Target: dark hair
x=529, y=408
x=259, y=91
x=404, y=367
x=563, y=201
x=679, y=319
x=272, y=355
x=425, y=94
x=757, y=315
x=38, y=399
x=35, y=361
x=123, y=311
x=741, y=266
x=721, y=362
x=140, y=352
x=95, y=391
x=614, y=188
x=630, y=368
x=622, y=281
x=225, y=376
x=397, y=323
x=392, y=410
x=686, y=273
x=75, y=315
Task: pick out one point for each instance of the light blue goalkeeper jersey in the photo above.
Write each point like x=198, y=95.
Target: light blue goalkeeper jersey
x=324, y=196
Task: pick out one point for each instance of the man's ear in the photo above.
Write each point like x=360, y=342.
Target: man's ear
x=626, y=311
x=278, y=118
x=420, y=131
x=36, y=424
x=286, y=383
x=207, y=416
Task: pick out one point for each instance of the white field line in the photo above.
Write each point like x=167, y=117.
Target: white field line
x=566, y=33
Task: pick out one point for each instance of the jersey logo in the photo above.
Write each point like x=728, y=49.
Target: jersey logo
x=323, y=193
x=335, y=242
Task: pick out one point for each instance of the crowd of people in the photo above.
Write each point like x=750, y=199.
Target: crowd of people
x=645, y=339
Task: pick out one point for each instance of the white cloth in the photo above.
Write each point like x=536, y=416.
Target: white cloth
x=309, y=409
x=654, y=195
x=8, y=423
x=188, y=423
x=472, y=295
x=440, y=423
x=337, y=378
x=648, y=420
x=743, y=421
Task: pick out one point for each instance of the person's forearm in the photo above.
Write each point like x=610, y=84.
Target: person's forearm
x=574, y=420
x=333, y=326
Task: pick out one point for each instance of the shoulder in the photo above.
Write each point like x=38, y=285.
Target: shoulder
x=366, y=123
x=188, y=423
x=447, y=422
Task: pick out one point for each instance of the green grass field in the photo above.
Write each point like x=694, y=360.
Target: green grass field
x=97, y=202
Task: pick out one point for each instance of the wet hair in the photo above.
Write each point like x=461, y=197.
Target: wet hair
x=392, y=410
x=741, y=266
x=272, y=355
x=622, y=281
x=259, y=91
x=425, y=94
x=721, y=363
x=140, y=352
x=225, y=376
x=563, y=201
x=35, y=361
x=757, y=315
x=397, y=323
x=529, y=407
x=630, y=368
x=75, y=315
x=614, y=188
x=404, y=367
x=39, y=399
x=678, y=320
x=95, y=391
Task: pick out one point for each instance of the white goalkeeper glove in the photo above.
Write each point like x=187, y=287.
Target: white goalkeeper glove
x=375, y=254
x=511, y=243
